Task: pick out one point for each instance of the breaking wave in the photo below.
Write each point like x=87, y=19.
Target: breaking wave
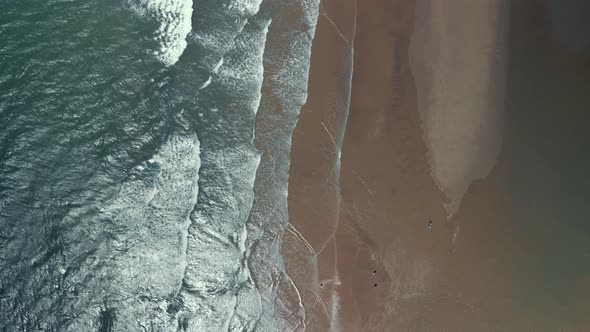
x=164, y=200
x=174, y=20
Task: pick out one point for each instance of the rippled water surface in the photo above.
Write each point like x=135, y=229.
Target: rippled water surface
x=128, y=161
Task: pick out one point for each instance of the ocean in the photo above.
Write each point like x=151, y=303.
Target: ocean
x=144, y=159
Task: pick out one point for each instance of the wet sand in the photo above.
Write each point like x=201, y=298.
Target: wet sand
x=515, y=255
x=360, y=218
x=314, y=190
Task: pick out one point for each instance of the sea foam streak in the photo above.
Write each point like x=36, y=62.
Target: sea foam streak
x=284, y=92
x=218, y=293
x=216, y=26
x=143, y=260
x=174, y=17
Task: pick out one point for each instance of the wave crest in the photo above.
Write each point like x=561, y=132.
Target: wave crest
x=174, y=17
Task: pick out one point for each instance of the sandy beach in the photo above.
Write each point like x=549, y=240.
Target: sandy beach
x=314, y=182
x=442, y=213
x=359, y=216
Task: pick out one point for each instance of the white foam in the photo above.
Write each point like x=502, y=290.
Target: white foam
x=286, y=85
x=206, y=83
x=175, y=24
x=243, y=7
x=144, y=253
x=218, y=292
x=249, y=69
x=218, y=65
x=161, y=202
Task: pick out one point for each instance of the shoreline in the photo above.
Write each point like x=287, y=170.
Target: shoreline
x=314, y=188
